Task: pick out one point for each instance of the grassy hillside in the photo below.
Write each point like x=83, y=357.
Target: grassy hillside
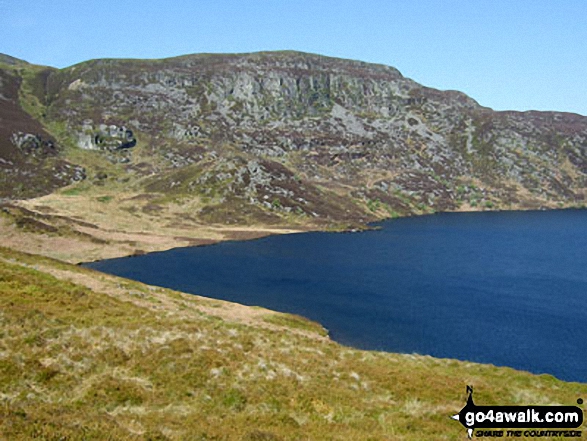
x=89, y=356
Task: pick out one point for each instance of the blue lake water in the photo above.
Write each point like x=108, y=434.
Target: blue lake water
x=507, y=288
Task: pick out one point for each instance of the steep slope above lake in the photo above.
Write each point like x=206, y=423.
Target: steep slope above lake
x=277, y=139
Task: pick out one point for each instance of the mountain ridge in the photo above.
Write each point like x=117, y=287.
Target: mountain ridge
x=8, y=59
x=284, y=139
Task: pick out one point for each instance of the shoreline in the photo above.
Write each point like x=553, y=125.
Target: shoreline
x=181, y=358
x=323, y=321
x=79, y=229
x=262, y=232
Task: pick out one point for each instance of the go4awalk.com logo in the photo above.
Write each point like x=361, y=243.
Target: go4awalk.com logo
x=518, y=421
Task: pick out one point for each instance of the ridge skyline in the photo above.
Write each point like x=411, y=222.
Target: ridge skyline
x=4, y=55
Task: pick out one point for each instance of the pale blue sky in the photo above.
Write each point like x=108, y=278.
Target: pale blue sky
x=506, y=54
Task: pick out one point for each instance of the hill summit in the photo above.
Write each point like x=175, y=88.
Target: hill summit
x=284, y=139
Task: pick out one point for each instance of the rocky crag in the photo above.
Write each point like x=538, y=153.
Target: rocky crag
x=279, y=138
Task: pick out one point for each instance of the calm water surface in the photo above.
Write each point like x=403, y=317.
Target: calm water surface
x=504, y=288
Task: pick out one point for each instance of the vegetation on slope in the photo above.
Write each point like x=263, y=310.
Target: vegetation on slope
x=261, y=141
x=89, y=356
x=205, y=148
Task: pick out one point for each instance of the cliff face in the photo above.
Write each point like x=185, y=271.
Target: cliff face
x=268, y=136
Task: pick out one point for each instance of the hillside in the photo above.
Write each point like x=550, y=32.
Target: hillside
x=264, y=141
x=84, y=355
x=118, y=157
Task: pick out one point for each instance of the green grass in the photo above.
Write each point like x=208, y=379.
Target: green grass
x=295, y=322
x=81, y=363
x=73, y=191
x=30, y=90
x=373, y=205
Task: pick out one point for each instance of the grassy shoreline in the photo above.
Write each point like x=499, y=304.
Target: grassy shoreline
x=84, y=355
x=79, y=229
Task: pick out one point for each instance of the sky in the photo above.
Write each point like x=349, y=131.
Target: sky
x=506, y=54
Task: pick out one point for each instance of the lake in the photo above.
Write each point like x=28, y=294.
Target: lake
x=506, y=288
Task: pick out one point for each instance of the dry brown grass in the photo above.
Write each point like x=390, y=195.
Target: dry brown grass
x=120, y=225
